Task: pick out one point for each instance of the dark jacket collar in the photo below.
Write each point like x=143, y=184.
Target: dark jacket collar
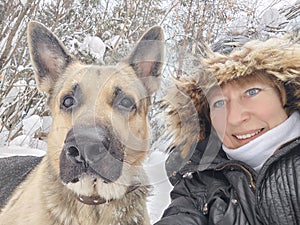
x=208, y=155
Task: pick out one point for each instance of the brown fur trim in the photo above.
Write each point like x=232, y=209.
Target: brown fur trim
x=279, y=58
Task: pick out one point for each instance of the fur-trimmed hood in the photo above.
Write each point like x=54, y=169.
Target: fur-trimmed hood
x=187, y=108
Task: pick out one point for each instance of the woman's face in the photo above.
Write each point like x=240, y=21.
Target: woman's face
x=240, y=114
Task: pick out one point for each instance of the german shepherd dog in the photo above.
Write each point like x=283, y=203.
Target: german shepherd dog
x=92, y=172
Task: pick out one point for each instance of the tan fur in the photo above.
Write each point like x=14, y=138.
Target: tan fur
x=278, y=58
x=43, y=199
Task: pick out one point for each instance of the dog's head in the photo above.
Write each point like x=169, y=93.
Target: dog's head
x=99, y=136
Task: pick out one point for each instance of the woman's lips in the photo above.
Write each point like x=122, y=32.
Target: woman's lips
x=249, y=135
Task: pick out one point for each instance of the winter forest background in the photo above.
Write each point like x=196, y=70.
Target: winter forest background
x=103, y=31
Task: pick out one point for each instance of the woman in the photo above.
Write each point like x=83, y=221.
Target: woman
x=245, y=166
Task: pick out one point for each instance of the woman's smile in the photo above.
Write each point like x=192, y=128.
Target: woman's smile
x=248, y=135
x=241, y=113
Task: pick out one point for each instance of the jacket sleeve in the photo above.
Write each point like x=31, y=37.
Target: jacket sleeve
x=13, y=170
x=187, y=204
x=278, y=192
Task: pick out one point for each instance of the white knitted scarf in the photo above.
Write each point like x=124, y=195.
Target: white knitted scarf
x=256, y=152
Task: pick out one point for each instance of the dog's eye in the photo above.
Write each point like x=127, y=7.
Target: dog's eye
x=68, y=101
x=127, y=103
x=123, y=101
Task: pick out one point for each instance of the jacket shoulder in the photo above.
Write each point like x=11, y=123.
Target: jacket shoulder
x=278, y=186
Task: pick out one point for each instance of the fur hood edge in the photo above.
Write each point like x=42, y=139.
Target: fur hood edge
x=186, y=106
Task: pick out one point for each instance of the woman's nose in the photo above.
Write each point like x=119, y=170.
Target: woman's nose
x=237, y=112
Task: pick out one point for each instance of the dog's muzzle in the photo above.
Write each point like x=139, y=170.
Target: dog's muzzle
x=93, y=151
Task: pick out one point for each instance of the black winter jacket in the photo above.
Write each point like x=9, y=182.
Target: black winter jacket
x=230, y=192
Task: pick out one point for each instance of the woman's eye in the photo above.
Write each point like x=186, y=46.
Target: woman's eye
x=68, y=101
x=219, y=104
x=253, y=91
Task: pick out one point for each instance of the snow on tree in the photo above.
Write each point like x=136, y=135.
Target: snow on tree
x=95, y=46
x=102, y=31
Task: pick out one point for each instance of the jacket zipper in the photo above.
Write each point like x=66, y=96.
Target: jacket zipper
x=251, y=180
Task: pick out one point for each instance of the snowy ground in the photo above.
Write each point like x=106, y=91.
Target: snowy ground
x=154, y=167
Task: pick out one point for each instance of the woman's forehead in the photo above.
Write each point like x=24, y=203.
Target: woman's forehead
x=215, y=91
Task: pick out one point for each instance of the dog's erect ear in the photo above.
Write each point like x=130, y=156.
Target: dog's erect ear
x=147, y=58
x=48, y=55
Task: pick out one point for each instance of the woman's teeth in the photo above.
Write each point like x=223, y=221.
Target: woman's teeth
x=246, y=136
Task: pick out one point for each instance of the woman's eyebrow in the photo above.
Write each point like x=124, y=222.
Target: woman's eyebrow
x=215, y=91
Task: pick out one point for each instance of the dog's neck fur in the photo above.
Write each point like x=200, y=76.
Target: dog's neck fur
x=97, y=200
x=103, y=214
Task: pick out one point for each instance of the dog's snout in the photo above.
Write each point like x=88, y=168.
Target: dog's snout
x=84, y=145
x=93, y=152
x=74, y=154
x=86, y=153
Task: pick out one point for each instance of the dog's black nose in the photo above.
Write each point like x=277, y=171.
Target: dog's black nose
x=86, y=153
x=93, y=150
